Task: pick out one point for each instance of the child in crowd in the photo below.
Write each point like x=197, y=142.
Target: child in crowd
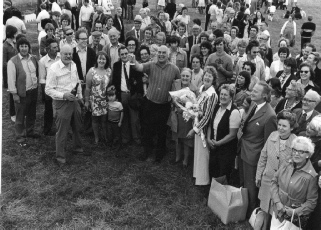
x=115, y=116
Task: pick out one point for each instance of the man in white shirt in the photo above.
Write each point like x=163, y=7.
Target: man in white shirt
x=84, y=15
x=75, y=7
x=63, y=86
x=45, y=63
x=42, y=15
x=17, y=22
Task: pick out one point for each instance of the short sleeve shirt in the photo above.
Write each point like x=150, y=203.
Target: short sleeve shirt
x=114, y=110
x=308, y=26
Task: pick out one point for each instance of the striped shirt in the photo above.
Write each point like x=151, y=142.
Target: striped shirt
x=206, y=100
x=61, y=80
x=160, y=80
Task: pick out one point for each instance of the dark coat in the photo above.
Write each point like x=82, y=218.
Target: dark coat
x=302, y=126
x=120, y=28
x=287, y=83
x=280, y=106
x=135, y=80
x=91, y=61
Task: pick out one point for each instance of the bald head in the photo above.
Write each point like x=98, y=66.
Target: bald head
x=66, y=54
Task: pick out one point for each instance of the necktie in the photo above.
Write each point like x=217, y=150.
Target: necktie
x=282, y=78
x=194, y=40
x=137, y=32
x=126, y=76
x=303, y=119
x=248, y=118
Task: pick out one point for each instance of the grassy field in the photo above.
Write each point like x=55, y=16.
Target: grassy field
x=101, y=191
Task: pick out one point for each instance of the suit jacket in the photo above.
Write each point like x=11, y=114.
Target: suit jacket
x=91, y=61
x=135, y=80
x=300, y=130
x=132, y=33
x=287, y=83
x=120, y=28
x=100, y=48
x=255, y=134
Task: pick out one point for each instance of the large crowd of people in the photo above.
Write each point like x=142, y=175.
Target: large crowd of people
x=258, y=108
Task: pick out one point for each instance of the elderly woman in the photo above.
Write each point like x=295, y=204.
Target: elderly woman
x=221, y=134
x=50, y=29
x=278, y=65
x=242, y=84
x=288, y=30
x=276, y=151
x=314, y=133
x=294, y=186
x=307, y=77
x=293, y=97
x=179, y=126
x=206, y=100
x=287, y=74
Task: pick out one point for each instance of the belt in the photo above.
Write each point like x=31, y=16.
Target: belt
x=125, y=91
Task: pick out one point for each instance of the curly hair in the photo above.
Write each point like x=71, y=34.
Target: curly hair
x=299, y=89
x=289, y=116
x=211, y=70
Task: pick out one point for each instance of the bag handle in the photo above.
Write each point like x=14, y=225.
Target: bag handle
x=293, y=217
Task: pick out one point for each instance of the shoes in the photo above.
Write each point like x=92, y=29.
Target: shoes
x=34, y=135
x=13, y=119
x=60, y=162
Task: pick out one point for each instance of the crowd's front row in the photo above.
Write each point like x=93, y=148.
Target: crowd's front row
x=278, y=168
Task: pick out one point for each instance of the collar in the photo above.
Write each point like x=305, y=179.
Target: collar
x=11, y=43
x=260, y=106
x=57, y=57
x=62, y=65
x=228, y=107
x=310, y=82
x=111, y=45
x=307, y=113
x=162, y=66
x=209, y=91
x=29, y=56
x=307, y=168
x=80, y=50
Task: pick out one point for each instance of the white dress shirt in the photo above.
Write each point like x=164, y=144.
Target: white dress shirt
x=123, y=84
x=259, y=107
x=61, y=80
x=44, y=65
x=82, y=53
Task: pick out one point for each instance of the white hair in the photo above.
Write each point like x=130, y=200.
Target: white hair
x=113, y=30
x=314, y=95
x=316, y=124
x=307, y=143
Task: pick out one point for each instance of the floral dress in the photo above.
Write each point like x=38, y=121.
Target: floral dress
x=98, y=97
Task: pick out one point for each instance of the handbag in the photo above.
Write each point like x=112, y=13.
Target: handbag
x=285, y=224
x=257, y=218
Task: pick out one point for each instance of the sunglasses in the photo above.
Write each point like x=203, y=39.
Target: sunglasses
x=304, y=71
x=69, y=34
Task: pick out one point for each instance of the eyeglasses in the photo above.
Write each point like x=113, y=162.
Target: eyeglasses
x=307, y=71
x=131, y=45
x=69, y=34
x=301, y=152
x=307, y=100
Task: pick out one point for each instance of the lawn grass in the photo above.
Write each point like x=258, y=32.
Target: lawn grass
x=101, y=191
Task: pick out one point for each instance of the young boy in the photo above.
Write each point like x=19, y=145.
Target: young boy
x=114, y=119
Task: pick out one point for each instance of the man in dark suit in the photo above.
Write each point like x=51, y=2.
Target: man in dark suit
x=127, y=82
x=253, y=133
x=95, y=45
x=192, y=40
x=287, y=75
x=84, y=57
x=119, y=24
x=136, y=32
x=305, y=115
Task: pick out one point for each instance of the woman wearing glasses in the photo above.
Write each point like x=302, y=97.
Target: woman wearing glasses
x=69, y=38
x=132, y=45
x=294, y=186
x=314, y=133
x=293, y=97
x=307, y=77
x=276, y=151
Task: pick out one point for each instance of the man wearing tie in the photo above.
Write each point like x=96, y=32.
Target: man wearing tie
x=136, y=32
x=305, y=115
x=253, y=133
x=127, y=82
x=192, y=40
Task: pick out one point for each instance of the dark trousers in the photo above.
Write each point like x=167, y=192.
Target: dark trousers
x=304, y=40
x=75, y=13
x=68, y=114
x=113, y=133
x=12, y=110
x=48, y=115
x=130, y=12
x=155, y=119
x=26, y=108
x=221, y=165
x=247, y=174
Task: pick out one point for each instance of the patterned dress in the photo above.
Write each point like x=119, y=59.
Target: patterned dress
x=98, y=97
